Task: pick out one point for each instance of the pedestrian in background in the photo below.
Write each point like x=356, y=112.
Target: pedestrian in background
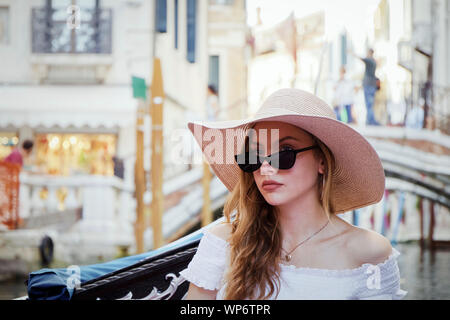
x=212, y=103
x=344, y=98
x=19, y=155
x=415, y=117
x=370, y=85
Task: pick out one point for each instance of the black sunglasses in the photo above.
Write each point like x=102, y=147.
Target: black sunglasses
x=251, y=161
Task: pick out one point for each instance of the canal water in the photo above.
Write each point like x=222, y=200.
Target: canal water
x=12, y=289
x=424, y=274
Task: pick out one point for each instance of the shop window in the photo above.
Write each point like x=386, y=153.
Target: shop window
x=70, y=154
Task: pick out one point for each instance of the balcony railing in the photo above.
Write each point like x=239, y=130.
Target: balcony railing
x=52, y=32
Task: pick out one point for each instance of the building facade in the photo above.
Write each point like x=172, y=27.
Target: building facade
x=65, y=82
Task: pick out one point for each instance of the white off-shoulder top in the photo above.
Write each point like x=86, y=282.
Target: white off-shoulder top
x=381, y=281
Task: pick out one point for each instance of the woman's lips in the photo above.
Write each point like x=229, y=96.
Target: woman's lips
x=271, y=186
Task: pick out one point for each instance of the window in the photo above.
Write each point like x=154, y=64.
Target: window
x=221, y=2
x=176, y=24
x=330, y=56
x=161, y=16
x=4, y=25
x=191, y=29
x=343, y=49
x=213, y=77
x=381, y=20
x=66, y=26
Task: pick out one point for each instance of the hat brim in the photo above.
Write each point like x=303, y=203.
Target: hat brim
x=358, y=178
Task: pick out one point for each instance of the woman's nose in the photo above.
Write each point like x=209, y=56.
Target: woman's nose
x=267, y=169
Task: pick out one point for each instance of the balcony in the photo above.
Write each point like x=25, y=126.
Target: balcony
x=52, y=32
x=71, y=51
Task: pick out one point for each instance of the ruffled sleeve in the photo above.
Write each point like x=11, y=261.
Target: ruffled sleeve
x=381, y=281
x=207, y=267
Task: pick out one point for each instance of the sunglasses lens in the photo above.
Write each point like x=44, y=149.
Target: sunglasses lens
x=286, y=159
x=249, y=167
x=247, y=161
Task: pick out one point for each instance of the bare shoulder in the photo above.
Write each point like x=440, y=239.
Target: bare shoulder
x=368, y=246
x=221, y=230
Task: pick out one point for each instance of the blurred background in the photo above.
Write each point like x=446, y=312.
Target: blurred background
x=92, y=92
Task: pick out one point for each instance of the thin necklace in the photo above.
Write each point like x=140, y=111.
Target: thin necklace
x=288, y=255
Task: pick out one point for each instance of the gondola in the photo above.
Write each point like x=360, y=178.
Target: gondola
x=153, y=275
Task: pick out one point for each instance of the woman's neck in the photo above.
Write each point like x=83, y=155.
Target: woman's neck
x=301, y=218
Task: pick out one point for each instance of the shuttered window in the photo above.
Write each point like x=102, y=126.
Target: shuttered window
x=161, y=16
x=175, y=17
x=191, y=29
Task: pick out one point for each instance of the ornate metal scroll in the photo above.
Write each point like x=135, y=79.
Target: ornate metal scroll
x=155, y=294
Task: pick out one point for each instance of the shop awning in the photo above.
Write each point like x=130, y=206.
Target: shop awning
x=64, y=106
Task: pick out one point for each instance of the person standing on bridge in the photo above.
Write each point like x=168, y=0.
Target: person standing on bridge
x=295, y=167
x=343, y=98
x=370, y=85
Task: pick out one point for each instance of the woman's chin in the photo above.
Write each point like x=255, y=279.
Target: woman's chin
x=274, y=199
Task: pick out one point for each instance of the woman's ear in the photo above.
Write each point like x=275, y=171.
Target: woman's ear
x=321, y=165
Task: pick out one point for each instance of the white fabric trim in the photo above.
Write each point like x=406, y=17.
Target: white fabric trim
x=208, y=266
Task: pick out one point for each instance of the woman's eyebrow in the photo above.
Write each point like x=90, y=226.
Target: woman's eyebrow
x=280, y=141
x=289, y=137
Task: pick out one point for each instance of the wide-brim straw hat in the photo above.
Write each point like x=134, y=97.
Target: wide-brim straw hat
x=358, y=178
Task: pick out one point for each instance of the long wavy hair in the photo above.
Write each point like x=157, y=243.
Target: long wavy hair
x=255, y=241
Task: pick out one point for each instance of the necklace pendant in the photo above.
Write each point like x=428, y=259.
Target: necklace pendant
x=288, y=257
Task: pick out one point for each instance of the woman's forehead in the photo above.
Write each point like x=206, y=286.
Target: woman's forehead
x=274, y=131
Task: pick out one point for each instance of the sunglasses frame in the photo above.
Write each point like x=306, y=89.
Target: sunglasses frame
x=260, y=159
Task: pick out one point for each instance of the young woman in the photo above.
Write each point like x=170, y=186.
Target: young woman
x=296, y=168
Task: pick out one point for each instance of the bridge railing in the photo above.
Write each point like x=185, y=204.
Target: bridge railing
x=103, y=200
